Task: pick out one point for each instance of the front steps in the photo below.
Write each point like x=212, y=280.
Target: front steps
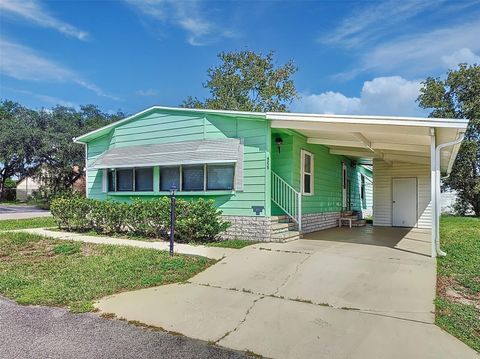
x=356, y=222
x=282, y=229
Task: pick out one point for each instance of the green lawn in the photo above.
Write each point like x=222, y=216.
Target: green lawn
x=39, y=270
x=458, y=283
x=36, y=222
x=231, y=243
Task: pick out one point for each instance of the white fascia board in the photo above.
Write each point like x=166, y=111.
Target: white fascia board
x=369, y=120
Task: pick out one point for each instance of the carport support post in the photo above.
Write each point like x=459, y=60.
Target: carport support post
x=433, y=191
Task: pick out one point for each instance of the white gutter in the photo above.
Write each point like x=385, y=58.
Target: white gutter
x=437, y=199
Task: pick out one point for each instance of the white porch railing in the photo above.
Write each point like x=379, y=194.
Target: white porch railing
x=287, y=198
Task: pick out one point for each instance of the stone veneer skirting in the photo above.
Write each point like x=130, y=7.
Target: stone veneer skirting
x=318, y=221
x=255, y=228
x=259, y=228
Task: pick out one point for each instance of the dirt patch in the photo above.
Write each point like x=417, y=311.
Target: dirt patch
x=450, y=289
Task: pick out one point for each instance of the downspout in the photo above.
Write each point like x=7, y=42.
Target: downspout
x=437, y=191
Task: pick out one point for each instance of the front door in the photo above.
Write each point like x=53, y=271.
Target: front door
x=404, y=206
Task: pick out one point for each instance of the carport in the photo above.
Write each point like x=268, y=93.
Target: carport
x=409, y=155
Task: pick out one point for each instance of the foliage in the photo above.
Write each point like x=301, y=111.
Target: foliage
x=9, y=183
x=36, y=222
x=19, y=142
x=44, y=271
x=247, y=81
x=196, y=221
x=458, y=96
x=459, y=271
x=199, y=221
x=39, y=143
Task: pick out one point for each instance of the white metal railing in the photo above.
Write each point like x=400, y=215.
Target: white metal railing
x=287, y=198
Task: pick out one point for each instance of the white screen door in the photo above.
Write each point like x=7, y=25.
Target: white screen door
x=404, y=202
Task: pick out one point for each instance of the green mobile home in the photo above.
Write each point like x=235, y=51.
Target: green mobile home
x=260, y=168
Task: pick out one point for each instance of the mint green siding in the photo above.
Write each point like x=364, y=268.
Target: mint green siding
x=168, y=126
x=327, y=196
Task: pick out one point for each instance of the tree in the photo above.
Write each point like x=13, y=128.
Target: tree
x=19, y=142
x=40, y=143
x=247, y=81
x=458, y=96
x=63, y=160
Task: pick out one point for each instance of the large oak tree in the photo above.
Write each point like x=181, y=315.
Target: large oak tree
x=458, y=96
x=247, y=81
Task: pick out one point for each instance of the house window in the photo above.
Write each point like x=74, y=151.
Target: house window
x=307, y=172
x=362, y=187
x=111, y=180
x=130, y=179
x=144, y=179
x=124, y=180
x=169, y=176
x=193, y=178
x=220, y=177
x=211, y=177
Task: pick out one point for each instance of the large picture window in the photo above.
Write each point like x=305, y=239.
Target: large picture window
x=144, y=179
x=130, y=179
x=124, y=180
x=204, y=177
x=307, y=173
x=220, y=177
x=193, y=178
x=169, y=176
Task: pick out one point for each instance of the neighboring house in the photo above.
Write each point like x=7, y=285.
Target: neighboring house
x=257, y=166
x=27, y=185
x=25, y=188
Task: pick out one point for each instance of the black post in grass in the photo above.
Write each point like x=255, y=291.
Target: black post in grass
x=172, y=223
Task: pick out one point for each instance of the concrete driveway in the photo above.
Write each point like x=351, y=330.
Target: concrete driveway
x=20, y=212
x=340, y=293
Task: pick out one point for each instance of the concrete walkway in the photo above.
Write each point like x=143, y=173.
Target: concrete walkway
x=209, y=252
x=340, y=293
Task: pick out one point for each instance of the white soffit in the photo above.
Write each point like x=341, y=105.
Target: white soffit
x=393, y=139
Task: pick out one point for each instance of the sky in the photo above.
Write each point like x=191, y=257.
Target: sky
x=353, y=57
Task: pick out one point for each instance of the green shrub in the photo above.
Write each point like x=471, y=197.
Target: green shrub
x=196, y=221
x=71, y=212
x=200, y=221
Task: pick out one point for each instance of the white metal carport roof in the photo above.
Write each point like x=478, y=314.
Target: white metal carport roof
x=392, y=139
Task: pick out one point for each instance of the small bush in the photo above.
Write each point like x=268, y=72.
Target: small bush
x=196, y=221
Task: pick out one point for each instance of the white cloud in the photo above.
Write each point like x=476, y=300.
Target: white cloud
x=464, y=55
x=33, y=11
x=147, y=92
x=23, y=63
x=419, y=54
x=375, y=20
x=392, y=95
x=187, y=15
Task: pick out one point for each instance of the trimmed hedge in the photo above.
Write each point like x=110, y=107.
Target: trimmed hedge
x=196, y=221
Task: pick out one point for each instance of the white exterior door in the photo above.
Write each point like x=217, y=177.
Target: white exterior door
x=404, y=207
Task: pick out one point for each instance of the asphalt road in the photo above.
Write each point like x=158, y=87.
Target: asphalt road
x=46, y=332
x=20, y=211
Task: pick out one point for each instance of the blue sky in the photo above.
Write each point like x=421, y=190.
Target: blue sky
x=363, y=57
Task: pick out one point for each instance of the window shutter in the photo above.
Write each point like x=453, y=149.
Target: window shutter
x=239, y=168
